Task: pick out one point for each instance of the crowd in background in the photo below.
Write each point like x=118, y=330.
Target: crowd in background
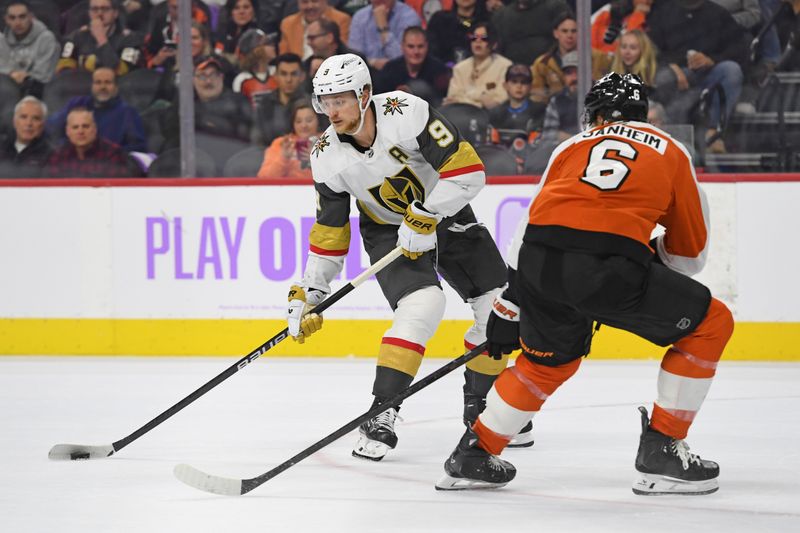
x=89, y=87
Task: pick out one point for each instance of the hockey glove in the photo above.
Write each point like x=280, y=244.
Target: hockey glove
x=502, y=328
x=302, y=323
x=417, y=234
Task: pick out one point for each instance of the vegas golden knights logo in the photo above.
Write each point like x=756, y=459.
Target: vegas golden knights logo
x=396, y=192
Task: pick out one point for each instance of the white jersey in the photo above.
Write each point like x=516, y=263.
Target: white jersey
x=417, y=155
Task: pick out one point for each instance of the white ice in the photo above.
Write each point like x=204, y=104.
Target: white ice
x=576, y=477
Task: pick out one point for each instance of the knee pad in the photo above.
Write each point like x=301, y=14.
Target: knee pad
x=418, y=315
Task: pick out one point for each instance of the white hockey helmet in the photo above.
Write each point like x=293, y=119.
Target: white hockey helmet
x=339, y=74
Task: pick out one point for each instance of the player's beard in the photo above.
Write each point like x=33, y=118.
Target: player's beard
x=350, y=127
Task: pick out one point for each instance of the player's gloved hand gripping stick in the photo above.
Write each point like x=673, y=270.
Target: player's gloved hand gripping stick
x=81, y=451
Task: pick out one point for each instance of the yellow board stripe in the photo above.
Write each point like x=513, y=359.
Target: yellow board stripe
x=751, y=341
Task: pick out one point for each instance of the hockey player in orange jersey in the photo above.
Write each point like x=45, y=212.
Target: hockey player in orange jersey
x=585, y=256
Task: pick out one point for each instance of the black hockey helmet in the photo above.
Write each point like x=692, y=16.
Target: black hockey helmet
x=616, y=97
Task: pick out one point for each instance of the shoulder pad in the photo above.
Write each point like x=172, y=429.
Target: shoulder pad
x=327, y=156
x=400, y=115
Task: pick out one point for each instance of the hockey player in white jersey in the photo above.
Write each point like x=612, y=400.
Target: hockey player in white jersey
x=413, y=176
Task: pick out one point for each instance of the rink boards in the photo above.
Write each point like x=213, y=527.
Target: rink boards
x=164, y=268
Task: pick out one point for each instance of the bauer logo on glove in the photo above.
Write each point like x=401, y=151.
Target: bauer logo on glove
x=417, y=234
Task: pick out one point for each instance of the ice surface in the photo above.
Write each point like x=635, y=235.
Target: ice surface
x=577, y=476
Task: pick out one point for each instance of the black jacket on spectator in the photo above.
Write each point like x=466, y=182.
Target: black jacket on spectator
x=447, y=34
x=511, y=123
x=525, y=34
x=227, y=116
x=394, y=74
x=709, y=29
x=29, y=163
x=272, y=117
x=123, y=52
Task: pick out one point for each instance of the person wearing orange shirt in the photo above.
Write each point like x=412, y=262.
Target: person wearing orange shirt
x=288, y=155
x=295, y=28
x=585, y=256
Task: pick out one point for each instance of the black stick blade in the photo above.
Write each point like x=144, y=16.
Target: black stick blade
x=214, y=484
x=78, y=452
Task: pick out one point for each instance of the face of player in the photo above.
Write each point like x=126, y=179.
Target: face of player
x=629, y=50
x=81, y=129
x=19, y=20
x=312, y=9
x=29, y=122
x=104, y=85
x=342, y=110
x=103, y=10
x=306, y=123
x=289, y=76
x=479, y=43
x=567, y=35
x=415, y=49
x=243, y=12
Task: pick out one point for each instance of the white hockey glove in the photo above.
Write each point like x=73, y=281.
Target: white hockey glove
x=302, y=323
x=417, y=234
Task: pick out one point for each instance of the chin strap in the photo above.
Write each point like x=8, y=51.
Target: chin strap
x=363, y=111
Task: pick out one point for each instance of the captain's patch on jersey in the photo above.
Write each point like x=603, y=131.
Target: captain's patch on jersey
x=394, y=104
x=320, y=145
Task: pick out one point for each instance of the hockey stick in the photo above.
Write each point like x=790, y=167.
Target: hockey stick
x=81, y=451
x=236, y=487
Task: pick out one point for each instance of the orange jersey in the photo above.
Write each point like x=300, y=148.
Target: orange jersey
x=624, y=178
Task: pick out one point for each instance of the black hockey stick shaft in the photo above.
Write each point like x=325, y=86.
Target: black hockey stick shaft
x=250, y=484
x=258, y=352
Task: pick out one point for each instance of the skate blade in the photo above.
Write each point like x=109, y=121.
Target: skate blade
x=655, y=485
x=369, y=449
x=448, y=482
x=521, y=440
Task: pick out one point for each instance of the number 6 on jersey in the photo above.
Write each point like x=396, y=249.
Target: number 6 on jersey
x=606, y=173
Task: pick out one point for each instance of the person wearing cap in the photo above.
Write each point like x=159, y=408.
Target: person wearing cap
x=256, y=52
x=478, y=80
x=297, y=35
x=548, y=78
x=518, y=117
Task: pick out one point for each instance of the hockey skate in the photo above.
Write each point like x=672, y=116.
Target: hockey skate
x=474, y=406
x=665, y=466
x=470, y=467
x=376, y=436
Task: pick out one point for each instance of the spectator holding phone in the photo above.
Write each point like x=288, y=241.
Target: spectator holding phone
x=288, y=155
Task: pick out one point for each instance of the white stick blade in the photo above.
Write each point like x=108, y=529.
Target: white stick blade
x=79, y=452
x=206, y=482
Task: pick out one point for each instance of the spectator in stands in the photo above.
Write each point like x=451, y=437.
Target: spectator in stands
x=242, y=15
x=273, y=109
x=116, y=121
x=657, y=115
x=746, y=13
x=377, y=30
x=288, y=155
x=25, y=155
x=352, y=6
x=104, y=42
x=28, y=50
x=548, y=79
x=296, y=33
x=325, y=40
x=163, y=38
x=425, y=9
x=428, y=77
x=700, y=45
x=493, y=5
x=527, y=28
x=518, y=117
x=86, y=155
x=218, y=110
x=448, y=30
x=256, y=52
x=615, y=18
x=137, y=14
x=636, y=55
x=560, y=118
x=478, y=80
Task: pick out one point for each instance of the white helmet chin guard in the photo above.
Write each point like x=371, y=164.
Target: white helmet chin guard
x=340, y=74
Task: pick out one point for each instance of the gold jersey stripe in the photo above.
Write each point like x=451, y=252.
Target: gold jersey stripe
x=330, y=237
x=465, y=156
x=399, y=358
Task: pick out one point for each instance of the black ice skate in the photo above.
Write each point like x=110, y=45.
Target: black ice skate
x=665, y=466
x=474, y=406
x=377, y=436
x=471, y=467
